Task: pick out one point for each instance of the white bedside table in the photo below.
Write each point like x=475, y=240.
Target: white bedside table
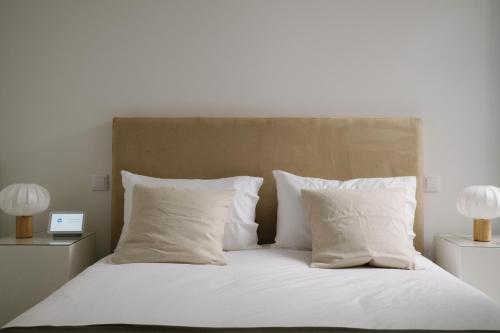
x=32, y=268
x=477, y=263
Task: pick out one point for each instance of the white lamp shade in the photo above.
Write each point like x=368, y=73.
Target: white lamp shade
x=24, y=199
x=479, y=202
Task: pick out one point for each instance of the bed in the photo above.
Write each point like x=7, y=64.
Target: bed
x=267, y=289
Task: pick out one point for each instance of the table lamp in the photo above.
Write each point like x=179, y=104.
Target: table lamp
x=24, y=201
x=482, y=203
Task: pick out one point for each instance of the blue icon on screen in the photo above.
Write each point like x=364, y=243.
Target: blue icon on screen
x=59, y=220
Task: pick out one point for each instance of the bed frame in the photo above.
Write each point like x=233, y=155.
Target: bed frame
x=329, y=148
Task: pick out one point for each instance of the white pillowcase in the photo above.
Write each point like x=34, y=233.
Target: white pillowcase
x=294, y=232
x=240, y=231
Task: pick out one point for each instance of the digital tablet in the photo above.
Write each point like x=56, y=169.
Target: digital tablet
x=66, y=223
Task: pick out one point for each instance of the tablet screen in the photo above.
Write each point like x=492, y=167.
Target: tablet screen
x=66, y=222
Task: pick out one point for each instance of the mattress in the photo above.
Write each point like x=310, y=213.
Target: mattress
x=265, y=288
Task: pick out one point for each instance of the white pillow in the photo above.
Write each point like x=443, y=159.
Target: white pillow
x=240, y=231
x=294, y=232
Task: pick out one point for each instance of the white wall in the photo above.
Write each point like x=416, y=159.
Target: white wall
x=68, y=67
x=495, y=86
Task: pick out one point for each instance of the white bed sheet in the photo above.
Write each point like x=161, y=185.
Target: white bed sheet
x=265, y=288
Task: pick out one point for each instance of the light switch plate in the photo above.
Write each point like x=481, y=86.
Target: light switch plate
x=432, y=183
x=99, y=182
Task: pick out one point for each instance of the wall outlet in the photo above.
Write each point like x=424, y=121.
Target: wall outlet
x=99, y=182
x=432, y=183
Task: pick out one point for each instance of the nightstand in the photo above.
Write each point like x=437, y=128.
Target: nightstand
x=477, y=263
x=33, y=268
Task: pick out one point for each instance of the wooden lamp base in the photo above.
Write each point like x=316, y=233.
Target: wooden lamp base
x=24, y=226
x=482, y=230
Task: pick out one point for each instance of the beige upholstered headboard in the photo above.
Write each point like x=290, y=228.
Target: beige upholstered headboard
x=221, y=147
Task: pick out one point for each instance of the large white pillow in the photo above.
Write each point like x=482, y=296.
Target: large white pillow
x=294, y=232
x=240, y=230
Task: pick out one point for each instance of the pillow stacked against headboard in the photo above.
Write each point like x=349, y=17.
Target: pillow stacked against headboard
x=348, y=223
x=240, y=229
x=345, y=223
x=175, y=225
